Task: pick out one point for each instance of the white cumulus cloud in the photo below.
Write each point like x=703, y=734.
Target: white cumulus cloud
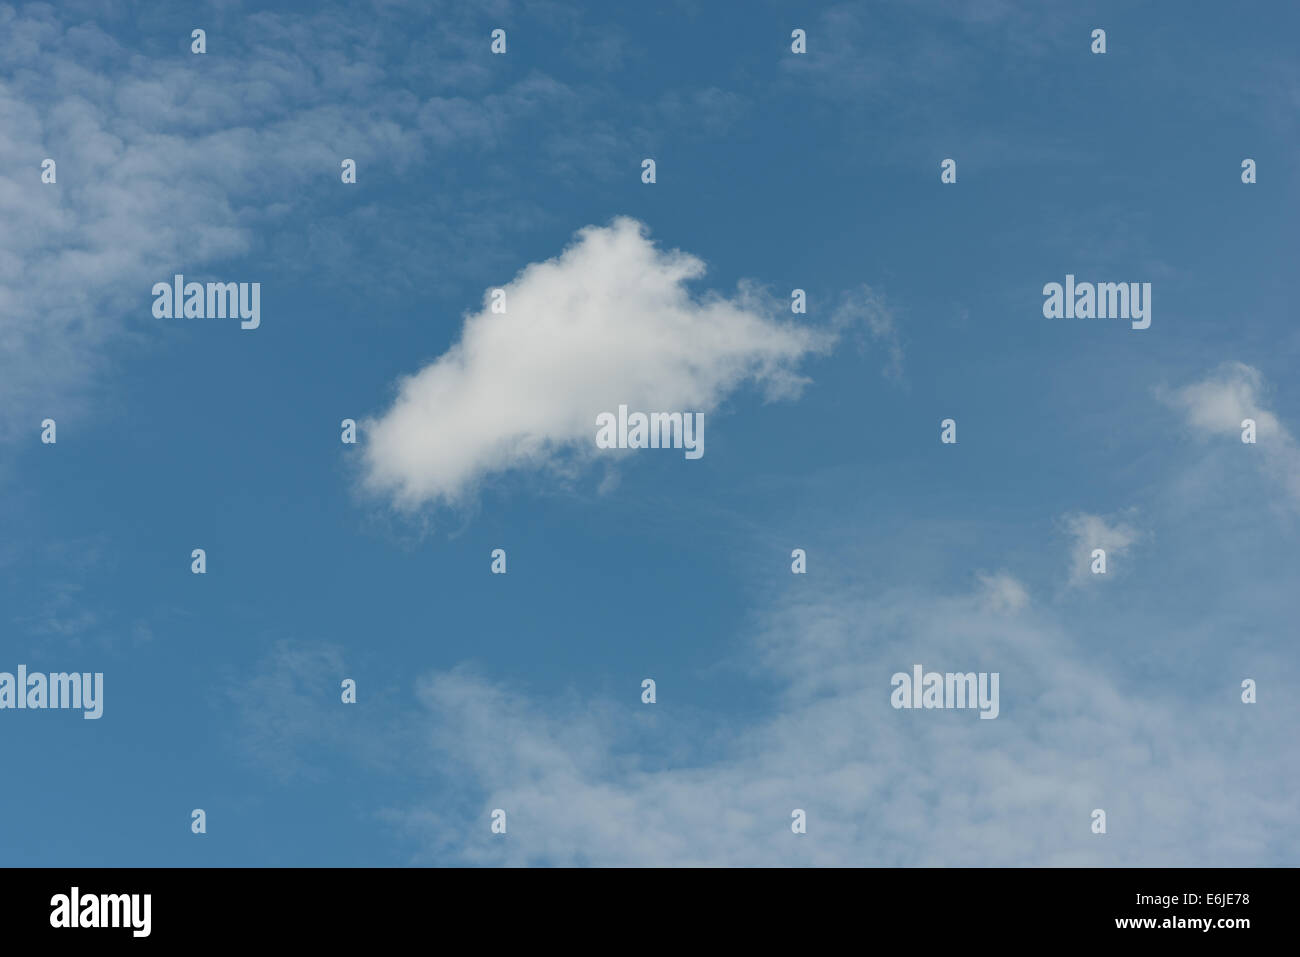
x=609, y=321
x=1218, y=404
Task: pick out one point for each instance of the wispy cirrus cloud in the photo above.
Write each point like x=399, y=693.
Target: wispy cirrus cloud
x=879, y=786
x=171, y=161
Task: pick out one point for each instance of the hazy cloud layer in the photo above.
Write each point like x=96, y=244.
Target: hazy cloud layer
x=1183, y=780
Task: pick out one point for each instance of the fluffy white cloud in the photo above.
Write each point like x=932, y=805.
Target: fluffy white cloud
x=610, y=321
x=1114, y=535
x=1217, y=405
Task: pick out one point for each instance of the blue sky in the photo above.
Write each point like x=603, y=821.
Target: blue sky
x=775, y=171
